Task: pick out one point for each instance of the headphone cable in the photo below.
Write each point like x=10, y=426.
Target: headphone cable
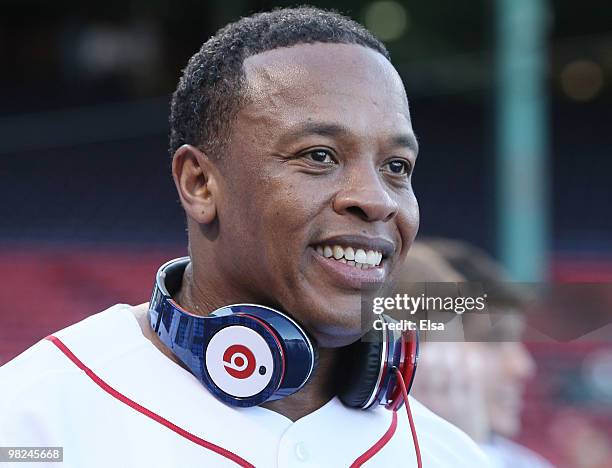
x=400, y=380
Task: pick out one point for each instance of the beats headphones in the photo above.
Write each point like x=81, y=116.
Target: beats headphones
x=247, y=354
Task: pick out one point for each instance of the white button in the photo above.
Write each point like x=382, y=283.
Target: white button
x=301, y=452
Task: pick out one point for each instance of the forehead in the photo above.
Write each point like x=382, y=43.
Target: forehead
x=326, y=79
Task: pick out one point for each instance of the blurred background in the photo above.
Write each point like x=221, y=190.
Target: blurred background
x=510, y=99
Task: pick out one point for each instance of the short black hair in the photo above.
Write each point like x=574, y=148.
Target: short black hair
x=209, y=93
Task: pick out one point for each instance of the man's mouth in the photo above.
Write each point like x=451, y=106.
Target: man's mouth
x=353, y=261
x=351, y=256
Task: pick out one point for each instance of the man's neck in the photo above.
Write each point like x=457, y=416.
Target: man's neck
x=197, y=299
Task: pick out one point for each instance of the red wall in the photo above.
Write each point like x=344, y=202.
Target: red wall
x=44, y=290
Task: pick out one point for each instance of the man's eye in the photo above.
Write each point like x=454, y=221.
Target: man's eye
x=398, y=166
x=320, y=156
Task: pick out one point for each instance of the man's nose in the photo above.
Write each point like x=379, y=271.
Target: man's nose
x=363, y=194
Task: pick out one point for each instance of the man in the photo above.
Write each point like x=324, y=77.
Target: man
x=291, y=138
x=485, y=399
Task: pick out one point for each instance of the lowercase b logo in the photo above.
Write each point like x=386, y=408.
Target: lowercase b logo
x=239, y=361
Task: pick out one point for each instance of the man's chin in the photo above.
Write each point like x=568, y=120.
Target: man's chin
x=335, y=327
x=329, y=338
x=332, y=316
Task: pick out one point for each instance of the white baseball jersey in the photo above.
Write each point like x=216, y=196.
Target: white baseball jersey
x=109, y=397
x=504, y=453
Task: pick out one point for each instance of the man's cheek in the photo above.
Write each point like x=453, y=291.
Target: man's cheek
x=411, y=219
x=408, y=225
x=412, y=209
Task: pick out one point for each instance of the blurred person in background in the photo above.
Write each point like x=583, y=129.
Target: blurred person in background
x=458, y=396
x=482, y=389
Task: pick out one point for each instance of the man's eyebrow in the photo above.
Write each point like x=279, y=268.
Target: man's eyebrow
x=316, y=128
x=407, y=140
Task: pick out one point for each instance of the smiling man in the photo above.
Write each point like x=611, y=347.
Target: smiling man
x=292, y=154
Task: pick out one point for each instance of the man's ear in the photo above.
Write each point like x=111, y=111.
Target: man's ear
x=196, y=180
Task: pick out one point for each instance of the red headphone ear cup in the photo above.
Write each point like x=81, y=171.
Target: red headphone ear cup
x=410, y=343
x=361, y=363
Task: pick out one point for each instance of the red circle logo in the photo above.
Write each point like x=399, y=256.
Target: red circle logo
x=239, y=361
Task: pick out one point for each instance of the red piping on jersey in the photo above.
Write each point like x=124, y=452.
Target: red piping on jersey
x=378, y=445
x=141, y=409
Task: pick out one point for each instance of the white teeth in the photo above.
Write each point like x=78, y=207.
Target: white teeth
x=360, y=256
x=371, y=258
x=354, y=257
x=338, y=252
x=349, y=253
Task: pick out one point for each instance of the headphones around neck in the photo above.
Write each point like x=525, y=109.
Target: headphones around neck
x=247, y=354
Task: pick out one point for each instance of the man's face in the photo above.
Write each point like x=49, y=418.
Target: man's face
x=319, y=156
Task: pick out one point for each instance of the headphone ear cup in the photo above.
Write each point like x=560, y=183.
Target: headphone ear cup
x=361, y=362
